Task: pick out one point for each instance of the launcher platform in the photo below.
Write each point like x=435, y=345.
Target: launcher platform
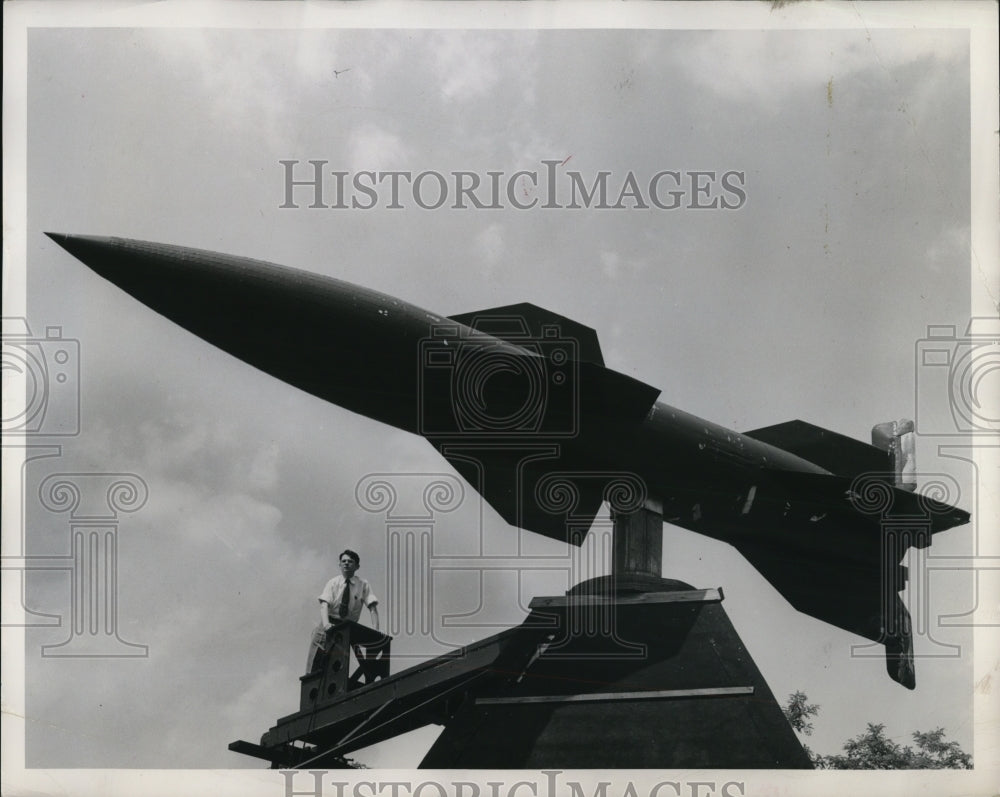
x=618, y=673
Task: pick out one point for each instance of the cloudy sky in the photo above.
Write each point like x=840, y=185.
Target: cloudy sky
x=808, y=301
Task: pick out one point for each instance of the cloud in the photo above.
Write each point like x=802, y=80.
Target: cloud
x=213, y=451
x=490, y=247
x=260, y=82
x=610, y=261
x=263, y=470
x=615, y=266
x=949, y=252
x=241, y=524
x=371, y=147
x=764, y=68
x=465, y=64
x=259, y=699
x=241, y=74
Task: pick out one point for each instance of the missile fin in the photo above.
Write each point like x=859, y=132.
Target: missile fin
x=854, y=596
x=527, y=323
x=875, y=503
x=835, y=452
x=536, y=488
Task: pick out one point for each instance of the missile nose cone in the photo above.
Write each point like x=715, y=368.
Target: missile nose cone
x=60, y=238
x=327, y=337
x=185, y=285
x=64, y=240
x=91, y=250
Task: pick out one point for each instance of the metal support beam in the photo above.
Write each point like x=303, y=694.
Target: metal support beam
x=638, y=542
x=681, y=596
x=599, y=697
x=351, y=742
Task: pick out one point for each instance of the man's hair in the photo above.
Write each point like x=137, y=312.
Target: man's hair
x=353, y=555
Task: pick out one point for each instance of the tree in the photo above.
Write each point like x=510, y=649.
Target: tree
x=798, y=710
x=874, y=750
x=869, y=750
x=933, y=752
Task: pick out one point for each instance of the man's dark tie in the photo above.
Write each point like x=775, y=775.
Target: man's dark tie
x=345, y=600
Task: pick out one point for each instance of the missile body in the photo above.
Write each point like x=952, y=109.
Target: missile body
x=388, y=360
x=519, y=401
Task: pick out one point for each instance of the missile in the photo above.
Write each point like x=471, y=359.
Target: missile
x=518, y=399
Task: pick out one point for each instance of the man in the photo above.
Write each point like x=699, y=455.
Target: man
x=342, y=599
